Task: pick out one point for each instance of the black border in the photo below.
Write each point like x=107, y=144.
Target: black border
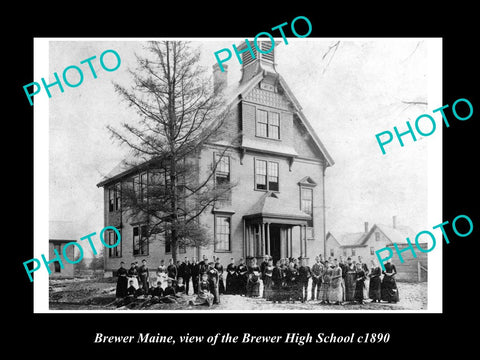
x=45, y=332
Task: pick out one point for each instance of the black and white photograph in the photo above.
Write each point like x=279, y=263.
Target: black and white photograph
x=215, y=180
x=189, y=180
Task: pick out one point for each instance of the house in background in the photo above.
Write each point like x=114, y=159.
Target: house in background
x=277, y=207
x=61, y=233
x=379, y=236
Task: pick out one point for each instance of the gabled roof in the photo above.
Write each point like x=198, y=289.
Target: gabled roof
x=234, y=94
x=397, y=235
x=128, y=164
x=238, y=92
x=350, y=239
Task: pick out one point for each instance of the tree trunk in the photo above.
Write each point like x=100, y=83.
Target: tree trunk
x=174, y=209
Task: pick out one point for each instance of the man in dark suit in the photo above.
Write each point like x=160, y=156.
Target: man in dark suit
x=187, y=274
x=143, y=275
x=194, y=273
x=172, y=270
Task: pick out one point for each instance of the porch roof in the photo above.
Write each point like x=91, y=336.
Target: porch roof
x=270, y=207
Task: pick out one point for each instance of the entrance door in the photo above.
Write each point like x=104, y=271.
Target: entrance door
x=275, y=242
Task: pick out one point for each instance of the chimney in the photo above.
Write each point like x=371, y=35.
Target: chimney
x=394, y=220
x=366, y=226
x=220, y=78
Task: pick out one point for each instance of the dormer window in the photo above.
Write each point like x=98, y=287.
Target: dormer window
x=268, y=124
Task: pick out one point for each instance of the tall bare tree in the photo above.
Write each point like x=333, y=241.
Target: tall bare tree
x=179, y=112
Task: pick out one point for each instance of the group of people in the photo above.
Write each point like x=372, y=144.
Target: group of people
x=172, y=282
x=332, y=281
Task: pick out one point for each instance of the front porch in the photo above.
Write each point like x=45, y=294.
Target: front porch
x=269, y=230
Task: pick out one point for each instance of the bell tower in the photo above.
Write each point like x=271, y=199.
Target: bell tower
x=256, y=60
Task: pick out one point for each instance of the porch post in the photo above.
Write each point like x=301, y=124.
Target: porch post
x=305, y=241
x=252, y=240
x=290, y=241
x=267, y=247
x=262, y=240
x=301, y=240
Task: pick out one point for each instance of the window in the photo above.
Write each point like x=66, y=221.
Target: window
x=143, y=186
x=377, y=236
x=140, y=240
x=266, y=170
x=56, y=263
x=372, y=250
x=268, y=124
x=222, y=233
x=306, y=204
x=273, y=176
x=114, y=197
x=262, y=123
x=353, y=252
x=182, y=249
x=306, y=200
x=274, y=125
x=144, y=240
x=332, y=252
x=111, y=199
x=117, y=250
x=261, y=174
x=136, y=186
x=118, y=196
x=222, y=176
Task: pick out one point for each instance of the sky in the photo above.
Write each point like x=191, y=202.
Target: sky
x=349, y=93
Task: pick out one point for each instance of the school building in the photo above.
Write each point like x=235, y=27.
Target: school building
x=279, y=166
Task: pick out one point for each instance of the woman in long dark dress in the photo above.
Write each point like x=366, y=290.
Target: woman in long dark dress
x=389, y=285
x=231, y=278
x=360, y=283
x=350, y=281
x=242, y=275
x=277, y=280
x=219, y=268
x=374, y=290
x=122, y=282
x=267, y=280
x=291, y=277
x=325, y=286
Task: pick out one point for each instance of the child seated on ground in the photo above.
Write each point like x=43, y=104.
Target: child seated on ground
x=180, y=287
x=157, y=291
x=204, y=295
x=131, y=289
x=140, y=292
x=169, y=290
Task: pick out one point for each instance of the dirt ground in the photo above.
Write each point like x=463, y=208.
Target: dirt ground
x=98, y=294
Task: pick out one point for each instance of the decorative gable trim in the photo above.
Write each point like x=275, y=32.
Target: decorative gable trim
x=307, y=181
